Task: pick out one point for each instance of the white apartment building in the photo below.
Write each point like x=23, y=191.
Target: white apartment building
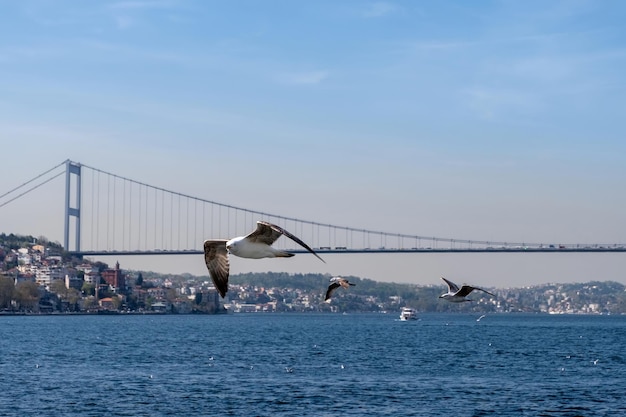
x=45, y=275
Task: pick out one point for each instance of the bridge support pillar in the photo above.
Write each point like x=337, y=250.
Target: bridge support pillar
x=72, y=189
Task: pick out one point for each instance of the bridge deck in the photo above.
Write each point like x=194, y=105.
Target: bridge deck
x=380, y=250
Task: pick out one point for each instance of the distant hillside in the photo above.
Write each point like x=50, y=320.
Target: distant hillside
x=590, y=297
x=12, y=241
x=313, y=282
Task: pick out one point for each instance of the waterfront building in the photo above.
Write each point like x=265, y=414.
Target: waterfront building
x=46, y=274
x=72, y=281
x=115, y=278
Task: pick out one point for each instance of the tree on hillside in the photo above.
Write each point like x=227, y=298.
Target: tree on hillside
x=72, y=297
x=6, y=291
x=171, y=295
x=117, y=302
x=88, y=288
x=58, y=287
x=100, y=266
x=26, y=295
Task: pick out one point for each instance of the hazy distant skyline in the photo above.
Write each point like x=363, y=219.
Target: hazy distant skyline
x=493, y=120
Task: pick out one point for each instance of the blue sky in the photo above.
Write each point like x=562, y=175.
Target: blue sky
x=494, y=120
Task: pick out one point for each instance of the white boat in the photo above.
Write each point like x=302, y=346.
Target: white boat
x=408, y=313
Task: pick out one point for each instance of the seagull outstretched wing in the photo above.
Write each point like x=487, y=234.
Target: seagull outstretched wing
x=216, y=259
x=452, y=288
x=268, y=233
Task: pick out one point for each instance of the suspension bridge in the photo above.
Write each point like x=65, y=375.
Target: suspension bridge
x=108, y=214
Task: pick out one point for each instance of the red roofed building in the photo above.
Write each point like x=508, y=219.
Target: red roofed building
x=115, y=278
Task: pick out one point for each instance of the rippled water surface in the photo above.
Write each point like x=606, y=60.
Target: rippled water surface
x=312, y=364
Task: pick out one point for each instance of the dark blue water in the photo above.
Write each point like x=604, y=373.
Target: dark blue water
x=317, y=364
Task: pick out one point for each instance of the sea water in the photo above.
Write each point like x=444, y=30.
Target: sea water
x=313, y=365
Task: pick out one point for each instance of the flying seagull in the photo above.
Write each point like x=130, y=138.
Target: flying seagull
x=335, y=283
x=255, y=245
x=456, y=295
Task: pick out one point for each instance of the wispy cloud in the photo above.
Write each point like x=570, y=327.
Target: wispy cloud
x=123, y=10
x=143, y=4
x=447, y=44
x=310, y=77
x=490, y=103
x=124, y=52
x=31, y=53
x=379, y=9
x=124, y=22
x=441, y=45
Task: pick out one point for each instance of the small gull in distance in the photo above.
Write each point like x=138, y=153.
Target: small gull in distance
x=255, y=245
x=458, y=295
x=335, y=283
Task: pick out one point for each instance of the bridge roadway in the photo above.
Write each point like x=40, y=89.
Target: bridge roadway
x=566, y=249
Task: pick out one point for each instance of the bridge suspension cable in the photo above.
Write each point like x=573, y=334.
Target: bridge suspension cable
x=188, y=220
x=21, y=186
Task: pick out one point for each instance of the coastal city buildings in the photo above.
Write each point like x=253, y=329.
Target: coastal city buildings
x=38, y=278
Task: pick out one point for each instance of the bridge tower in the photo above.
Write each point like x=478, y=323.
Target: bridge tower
x=72, y=189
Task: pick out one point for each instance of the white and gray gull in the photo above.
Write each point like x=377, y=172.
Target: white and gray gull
x=255, y=245
x=336, y=282
x=458, y=295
